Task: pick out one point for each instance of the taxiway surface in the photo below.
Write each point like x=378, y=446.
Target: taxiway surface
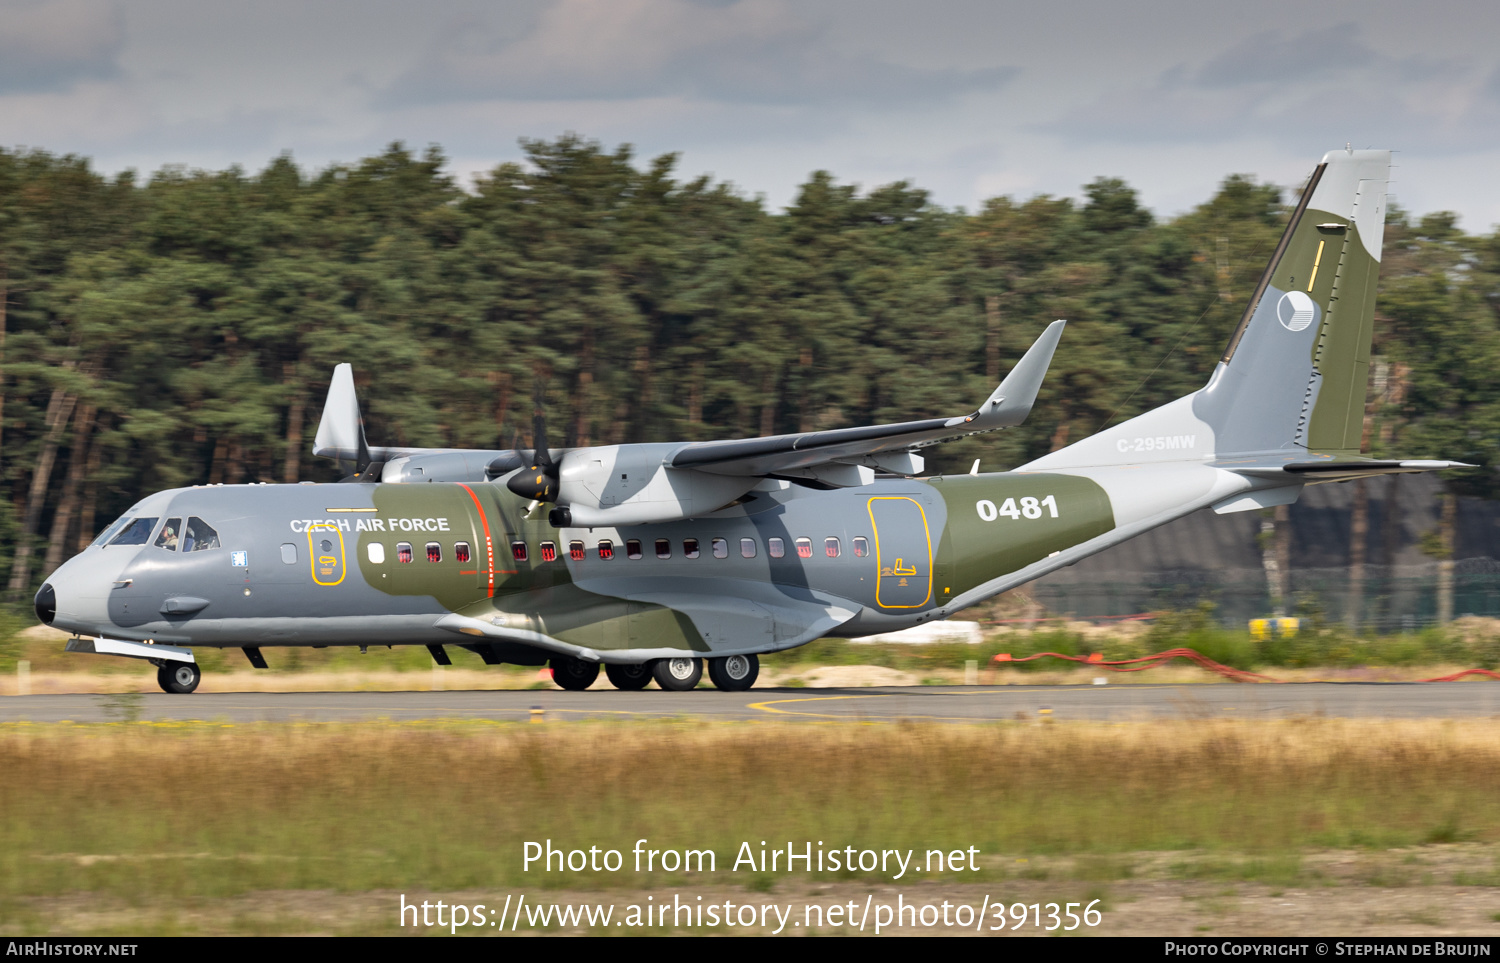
x=929, y=703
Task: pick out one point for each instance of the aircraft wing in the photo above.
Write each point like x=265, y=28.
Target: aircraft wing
x=877, y=446
x=658, y=482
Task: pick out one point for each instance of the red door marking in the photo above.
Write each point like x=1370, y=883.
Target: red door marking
x=489, y=543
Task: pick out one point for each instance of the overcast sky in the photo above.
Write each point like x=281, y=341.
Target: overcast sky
x=965, y=99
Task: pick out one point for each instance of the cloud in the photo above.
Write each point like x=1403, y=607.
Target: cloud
x=1269, y=58
x=52, y=45
x=749, y=51
x=1322, y=86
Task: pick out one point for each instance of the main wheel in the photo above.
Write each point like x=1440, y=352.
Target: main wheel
x=677, y=675
x=628, y=677
x=178, y=677
x=734, y=673
x=575, y=674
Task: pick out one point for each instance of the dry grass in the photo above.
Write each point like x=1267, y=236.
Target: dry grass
x=131, y=678
x=207, y=811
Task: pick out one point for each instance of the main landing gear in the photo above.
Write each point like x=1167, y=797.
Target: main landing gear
x=178, y=677
x=734, y=673
x=628, y=677
x=575, y=674
x=677, y=675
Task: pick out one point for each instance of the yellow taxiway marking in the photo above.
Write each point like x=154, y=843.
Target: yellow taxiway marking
x=766, y=706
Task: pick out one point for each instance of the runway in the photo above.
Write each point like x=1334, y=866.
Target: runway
x=954, y=704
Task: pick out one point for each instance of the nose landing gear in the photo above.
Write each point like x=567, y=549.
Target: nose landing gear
x=178, y=677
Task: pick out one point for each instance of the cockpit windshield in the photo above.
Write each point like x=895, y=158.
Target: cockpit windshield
x=200, y=536
x=133, y=531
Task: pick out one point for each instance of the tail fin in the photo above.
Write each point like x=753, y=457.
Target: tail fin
x=1295, y=374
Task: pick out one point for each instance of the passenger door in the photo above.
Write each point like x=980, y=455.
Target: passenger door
x=903, y=552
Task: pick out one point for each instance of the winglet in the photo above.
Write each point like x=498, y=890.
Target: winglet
x=341, y=433
x=1012, y=401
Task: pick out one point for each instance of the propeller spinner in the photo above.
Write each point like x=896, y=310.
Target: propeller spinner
x=537, y=482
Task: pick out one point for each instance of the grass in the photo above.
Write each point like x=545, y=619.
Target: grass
x=1465, y=643
x=210, y=811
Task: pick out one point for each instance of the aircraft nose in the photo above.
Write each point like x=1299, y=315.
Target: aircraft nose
x=76, y=596
x=46, y=603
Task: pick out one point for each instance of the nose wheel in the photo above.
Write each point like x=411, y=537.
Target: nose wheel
x=178, y=677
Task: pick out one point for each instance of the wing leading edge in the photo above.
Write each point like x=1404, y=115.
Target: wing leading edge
x=885, y=447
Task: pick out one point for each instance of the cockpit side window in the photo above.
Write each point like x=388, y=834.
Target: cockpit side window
x=200, y=537
x=136, y=533
x=171, y=533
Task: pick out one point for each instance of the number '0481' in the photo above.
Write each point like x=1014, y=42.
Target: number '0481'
x=1028, y=507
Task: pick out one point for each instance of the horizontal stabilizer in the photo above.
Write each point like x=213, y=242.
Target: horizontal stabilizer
x=1316, y=472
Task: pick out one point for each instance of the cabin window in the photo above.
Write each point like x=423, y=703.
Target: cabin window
x=776, y=547
x=289, y=553
x=461, y=551
x=170, y=533
x=861, y=547
x=831, y=547
x=633, y=548
x=200, y=536
x=606, y=549
x=576, y=550
x=720, y=547
x=690, y=548
x=137, y=532
x=804, y=548
x=663, y=548
x=434, y=552
x=403, y=552
x=517, y=551
x=375, y=551
x=747, y=547
x=549, y=551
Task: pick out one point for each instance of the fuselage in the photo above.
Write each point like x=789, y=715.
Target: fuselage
x=365, y=564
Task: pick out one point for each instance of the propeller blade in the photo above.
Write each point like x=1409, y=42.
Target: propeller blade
x=539, y=481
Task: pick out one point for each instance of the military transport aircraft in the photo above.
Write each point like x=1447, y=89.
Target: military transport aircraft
x=648, y=559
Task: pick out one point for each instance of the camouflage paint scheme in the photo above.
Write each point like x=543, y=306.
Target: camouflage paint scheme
x=615, y=609
x=299, y=564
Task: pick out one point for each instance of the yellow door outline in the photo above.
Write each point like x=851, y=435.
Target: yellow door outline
x=314, y=559
x=897, y=568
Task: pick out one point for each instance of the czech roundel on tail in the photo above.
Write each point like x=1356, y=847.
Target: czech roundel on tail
x=651, y=559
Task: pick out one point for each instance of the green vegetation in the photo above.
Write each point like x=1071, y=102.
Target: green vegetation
x=1466, y=643
x=181, y=330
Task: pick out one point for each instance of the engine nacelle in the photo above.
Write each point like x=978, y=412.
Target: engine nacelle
x=440, y=466
x=630, y=485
